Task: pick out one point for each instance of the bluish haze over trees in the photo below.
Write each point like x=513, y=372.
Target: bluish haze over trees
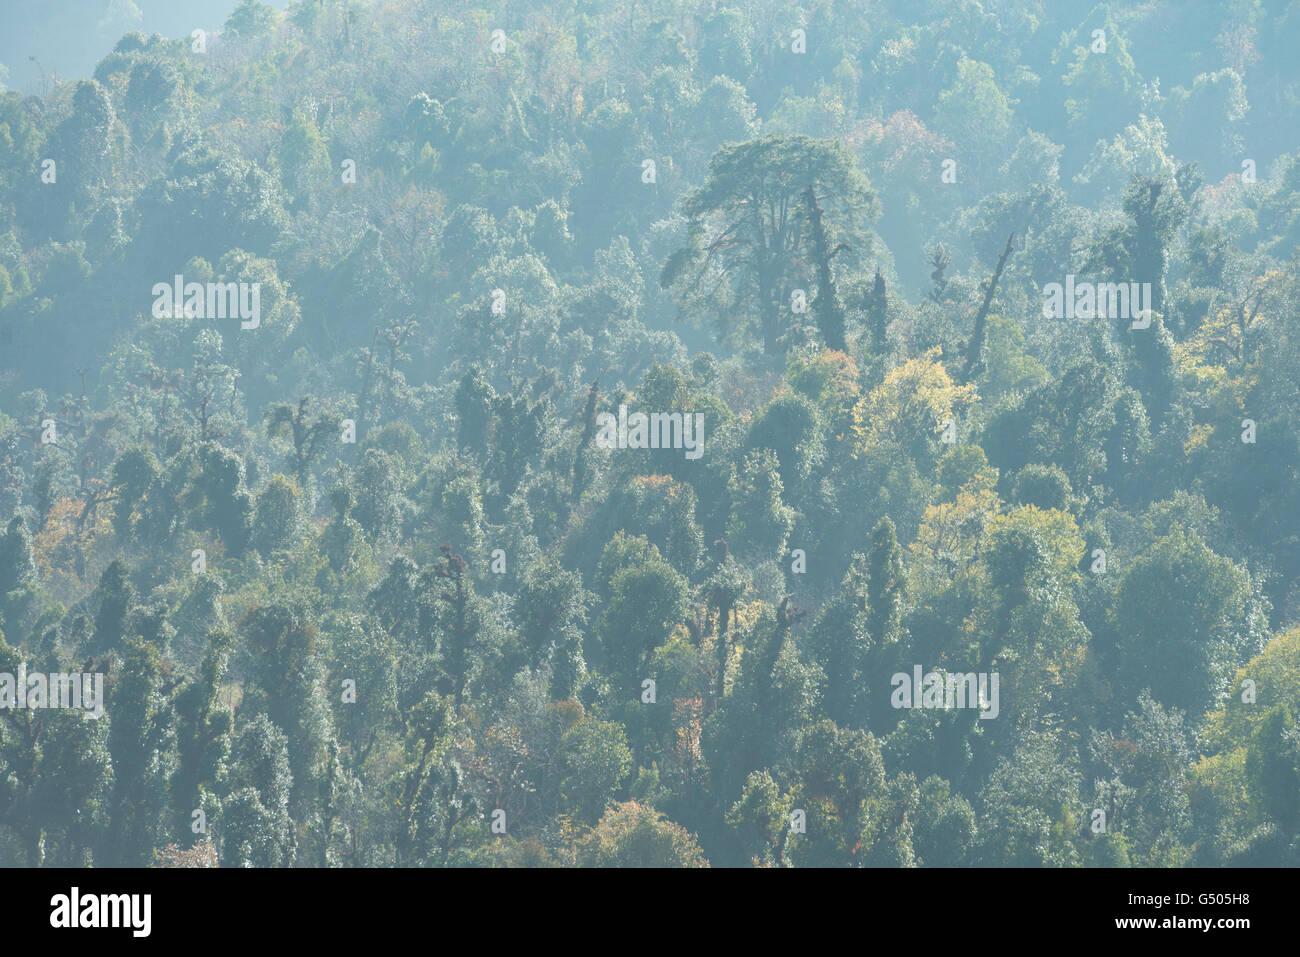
x=563, y=433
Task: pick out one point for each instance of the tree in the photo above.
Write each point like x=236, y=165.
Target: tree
x=760, y=522
x=1101, y=85
x=664, y=511
x=826, y=307
x=945, y=825
x=134, y=473
x=761, y=819
x=1144, y=789
x=203, y=740
x=342, y=537
x=1029, y=810
x=17, y=572
x=304, y=160
x=840, y=783
x=287, y=673
x=975, y=349
x=885, y=585
x=791, y=428
x=85, y=142
x=115, y=599
x=749, y=227
x=311, y=434
x=278, y=522
x=631, y=835
x=906, y=412
x=1185, y=618
x=877, y=305
x=379, y=500
x=647, y=600
x=228, y=505
x=552, y=609
x=251, y=20
x=1273, y=768
x=974, y=110
x=140, y=743
x=461, y=618
x=772, y=702
x=431, y=797
x=596, y=761
x=55, y=779
x=256, y=827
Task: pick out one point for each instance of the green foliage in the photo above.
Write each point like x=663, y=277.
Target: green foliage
x=630, y=835
x=1184, y=616
x=370, y=587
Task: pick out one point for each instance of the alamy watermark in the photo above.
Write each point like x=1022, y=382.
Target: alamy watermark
x=1100, y=300
x=75, y=909
x=211, y=300
x=938, y=689
x=658, y=430
x=53, y=690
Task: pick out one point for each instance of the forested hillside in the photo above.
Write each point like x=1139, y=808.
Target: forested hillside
x=581, y=433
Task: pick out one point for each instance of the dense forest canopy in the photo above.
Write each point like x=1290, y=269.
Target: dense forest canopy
x=733, y=433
